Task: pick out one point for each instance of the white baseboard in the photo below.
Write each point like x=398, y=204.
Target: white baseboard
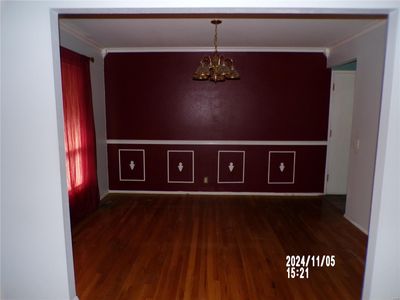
x=359, y=227
x=213, y=193
x=102, y=196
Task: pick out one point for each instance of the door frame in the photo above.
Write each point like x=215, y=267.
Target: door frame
x=391, y=93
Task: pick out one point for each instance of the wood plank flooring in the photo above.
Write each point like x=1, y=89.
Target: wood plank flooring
x=214, y=247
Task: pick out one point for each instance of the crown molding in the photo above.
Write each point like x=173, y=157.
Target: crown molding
x=355, y=36
x=211, y=49
x=78, y=35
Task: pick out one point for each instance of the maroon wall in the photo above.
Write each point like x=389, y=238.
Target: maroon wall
x=280, y=97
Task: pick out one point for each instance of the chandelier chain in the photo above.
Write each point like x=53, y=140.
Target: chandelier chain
x=216, y=37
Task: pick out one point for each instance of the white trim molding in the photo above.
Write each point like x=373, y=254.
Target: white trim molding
x=80, y=36
x=211, y=49
x=218, y=165
x=102, y=196
x=361, y=33
x=215, y=142
x=180, y=181
x=359, y=227
x=214, y=193
x=119, y=164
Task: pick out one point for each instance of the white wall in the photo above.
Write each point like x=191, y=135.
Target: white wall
x=369, y=50
x=69, y=41
x=382, y=272
x=36, y=256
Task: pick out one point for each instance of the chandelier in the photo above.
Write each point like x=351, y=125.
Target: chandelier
x=216, y=67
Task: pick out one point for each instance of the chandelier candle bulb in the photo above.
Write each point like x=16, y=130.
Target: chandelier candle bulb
x=216, y=67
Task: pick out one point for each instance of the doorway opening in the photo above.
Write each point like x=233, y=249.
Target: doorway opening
x=339, y=143
x=346, y=110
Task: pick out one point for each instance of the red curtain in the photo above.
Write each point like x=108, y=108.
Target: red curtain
x=79, y=135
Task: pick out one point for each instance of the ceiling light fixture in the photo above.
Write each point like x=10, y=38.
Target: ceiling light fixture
x=216, y=67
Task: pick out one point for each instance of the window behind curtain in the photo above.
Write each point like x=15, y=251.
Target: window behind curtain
x=79, y=134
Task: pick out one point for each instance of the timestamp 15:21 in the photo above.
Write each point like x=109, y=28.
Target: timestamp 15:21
x=298, y=272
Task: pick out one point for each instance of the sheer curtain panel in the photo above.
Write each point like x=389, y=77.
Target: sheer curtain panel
x=79, y=135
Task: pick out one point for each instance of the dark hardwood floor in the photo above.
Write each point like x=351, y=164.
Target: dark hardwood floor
x=215, y=247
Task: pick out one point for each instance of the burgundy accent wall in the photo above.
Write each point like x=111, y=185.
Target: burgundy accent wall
x=280, y=96
x=309, y=169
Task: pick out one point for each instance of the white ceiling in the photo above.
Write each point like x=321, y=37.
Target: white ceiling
x=234, y=32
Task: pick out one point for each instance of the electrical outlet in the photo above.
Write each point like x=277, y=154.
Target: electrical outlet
x=205, y=180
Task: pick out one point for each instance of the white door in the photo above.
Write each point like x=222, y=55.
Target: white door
x=339, y=134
